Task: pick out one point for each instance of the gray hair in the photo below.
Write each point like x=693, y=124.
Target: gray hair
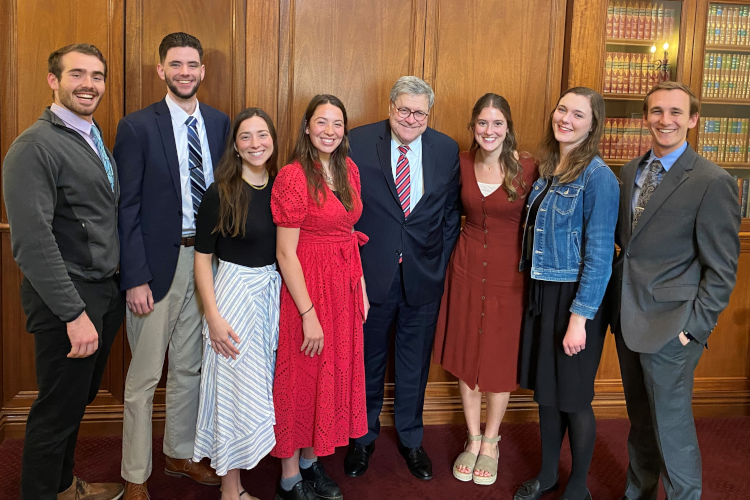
x=414, y=86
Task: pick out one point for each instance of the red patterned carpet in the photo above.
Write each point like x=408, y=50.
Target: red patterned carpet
x=725, y=444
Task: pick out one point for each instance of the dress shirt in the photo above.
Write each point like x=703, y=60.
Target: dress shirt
x=179, y=117
x=72, y=120
x=640, y=176
x=414, y=155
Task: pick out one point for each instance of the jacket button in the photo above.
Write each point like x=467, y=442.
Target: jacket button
x=480, y=330
x=484, y=263
x=485, y=246
x=482, y=297
x=482, y=199
x=627, y=255
x=398, y=251
x=179, y=212
x=484, y=280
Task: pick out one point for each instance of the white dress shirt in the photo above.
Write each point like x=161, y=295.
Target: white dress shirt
x=179, y=117
x=414, y=155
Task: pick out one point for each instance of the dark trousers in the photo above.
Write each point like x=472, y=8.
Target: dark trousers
x=662, y=440
x=415, y=331
x=66, y=385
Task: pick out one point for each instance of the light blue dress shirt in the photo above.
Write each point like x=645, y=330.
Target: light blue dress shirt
x=179, y=117
x=414, y=155
x=72, y=120
x=640, y=176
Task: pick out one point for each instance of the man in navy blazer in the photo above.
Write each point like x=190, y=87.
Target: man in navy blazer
x=411, y=214
x=165, y=156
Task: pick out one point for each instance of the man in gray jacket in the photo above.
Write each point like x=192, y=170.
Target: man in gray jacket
x=678, y=231
x=61, y=192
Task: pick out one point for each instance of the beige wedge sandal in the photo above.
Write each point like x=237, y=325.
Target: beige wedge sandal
x=467, y=459
x=487, y=463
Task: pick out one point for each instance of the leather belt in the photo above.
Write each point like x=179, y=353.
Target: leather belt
x=187, y=241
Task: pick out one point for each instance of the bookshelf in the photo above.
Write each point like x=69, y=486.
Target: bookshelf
x=642, y=42
x=723, y=134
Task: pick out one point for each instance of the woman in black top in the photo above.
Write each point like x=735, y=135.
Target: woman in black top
x=241, y=304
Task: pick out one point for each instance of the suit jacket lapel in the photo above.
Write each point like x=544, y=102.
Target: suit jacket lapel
x=678, y=174
x=384, y=155
x=164, y=120
x=214, y=141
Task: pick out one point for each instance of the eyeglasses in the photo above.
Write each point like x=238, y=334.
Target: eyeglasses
x=404, y=113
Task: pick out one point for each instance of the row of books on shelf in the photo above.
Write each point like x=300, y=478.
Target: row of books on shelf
x=639, y=20
x=626, y=73
x=728, y=24
x=624, y=138
x=724, y=139
x=743, y=186
x=726, y=75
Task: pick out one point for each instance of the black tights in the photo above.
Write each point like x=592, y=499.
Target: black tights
x=581, y=427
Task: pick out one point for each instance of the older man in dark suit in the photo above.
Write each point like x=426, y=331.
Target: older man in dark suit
x=411, y=214
x=678, y=233
x=165, y=154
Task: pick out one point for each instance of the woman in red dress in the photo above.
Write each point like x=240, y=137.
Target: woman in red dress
x=479, y=327
x=319, y=388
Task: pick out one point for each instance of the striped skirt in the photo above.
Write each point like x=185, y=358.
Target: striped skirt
x=236, y=414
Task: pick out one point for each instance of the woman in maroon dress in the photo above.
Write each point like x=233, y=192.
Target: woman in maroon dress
x=319, y=388
x=479, y=326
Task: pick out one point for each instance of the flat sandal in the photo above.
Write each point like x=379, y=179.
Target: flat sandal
x=467, y=459
x=487, y=463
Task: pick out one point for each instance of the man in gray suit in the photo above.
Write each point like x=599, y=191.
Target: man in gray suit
x=678, y=234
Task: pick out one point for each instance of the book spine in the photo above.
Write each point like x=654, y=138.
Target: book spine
x=740, y=181
x=647, y=21
x=743, y=147
x=607, y=137
x=707, y=65
x=701, y=135
x=723, y=138
x=743, y=211
x=632, y=89
x=644, y=74
x=725, y=24
x=731, y=92
x=717, y=74
x=629, y=20
x=711, y=24
x=717, y=24
x=610, y=15
x=618, y=71
x=660, y=22
x=641, y=7
x=608, y=73
x=620, y=138
x=735, y=24
x=623, y=17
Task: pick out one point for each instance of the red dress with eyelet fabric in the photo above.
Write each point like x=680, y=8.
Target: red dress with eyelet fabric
x=320, y=401
x=479, y=326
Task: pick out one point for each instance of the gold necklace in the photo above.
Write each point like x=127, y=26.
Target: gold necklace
x=261, y=188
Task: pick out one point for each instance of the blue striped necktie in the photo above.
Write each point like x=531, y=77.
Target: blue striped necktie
x=103, y=156
x=195, y=160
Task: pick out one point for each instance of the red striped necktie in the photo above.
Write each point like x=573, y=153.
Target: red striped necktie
x=403, y=180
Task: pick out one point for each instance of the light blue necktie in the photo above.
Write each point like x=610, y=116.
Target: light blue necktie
x=103, y=155
x=195, y=159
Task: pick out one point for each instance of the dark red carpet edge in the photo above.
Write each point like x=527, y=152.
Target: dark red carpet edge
x=725, y=445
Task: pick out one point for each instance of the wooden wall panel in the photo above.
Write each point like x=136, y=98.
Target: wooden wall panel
x=219, y=25
x=355, y=53
x=31, y=30
x=516, y=55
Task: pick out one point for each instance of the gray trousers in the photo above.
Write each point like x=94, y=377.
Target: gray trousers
x=662, y=440
x=174, y=324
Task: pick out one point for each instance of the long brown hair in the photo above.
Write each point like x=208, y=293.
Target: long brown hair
x=513, y=169
x=307, y=155
x=579, y=158
x=233, y=196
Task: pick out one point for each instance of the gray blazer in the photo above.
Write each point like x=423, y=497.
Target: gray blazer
x=677, y=270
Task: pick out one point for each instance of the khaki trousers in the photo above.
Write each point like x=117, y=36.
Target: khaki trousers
x=174, y=324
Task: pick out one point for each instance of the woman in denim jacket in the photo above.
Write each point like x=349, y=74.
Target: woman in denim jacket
x=568, y=244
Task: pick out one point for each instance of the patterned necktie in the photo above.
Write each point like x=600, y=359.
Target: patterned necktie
x=103, y=156
x=653, y=177
x=195, y=160
x=403, y=180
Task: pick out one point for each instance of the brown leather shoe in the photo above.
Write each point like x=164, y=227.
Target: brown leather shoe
x=81, y=490
x=200, y=472
x=135, y=491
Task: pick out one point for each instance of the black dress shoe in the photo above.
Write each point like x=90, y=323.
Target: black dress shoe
x=358, y=458
x=321, y=483
x=300, y=491
x=531, y=490
x=417, y=460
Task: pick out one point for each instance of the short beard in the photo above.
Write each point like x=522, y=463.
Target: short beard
x=177, y=92
x=68, y=101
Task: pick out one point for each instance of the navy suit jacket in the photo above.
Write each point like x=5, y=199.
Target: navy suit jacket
x=427, y=237
x=150, y=223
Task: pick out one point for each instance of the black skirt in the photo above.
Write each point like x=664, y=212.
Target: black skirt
x=558, y=380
